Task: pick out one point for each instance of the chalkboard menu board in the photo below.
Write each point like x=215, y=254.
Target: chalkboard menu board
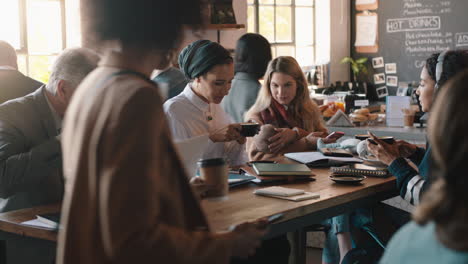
x=409, y=31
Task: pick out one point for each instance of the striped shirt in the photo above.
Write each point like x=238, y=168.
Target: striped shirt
x=411, y=183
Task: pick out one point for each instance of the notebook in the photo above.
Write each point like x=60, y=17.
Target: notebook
x=335, y=152
x=274, y=169
x=239, y=179
x=286, y=193
x=317, y=159
x=361, y=170
x=278, y=191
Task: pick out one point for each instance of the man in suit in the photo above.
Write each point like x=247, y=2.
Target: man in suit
x=13, y=84
x=30, y=151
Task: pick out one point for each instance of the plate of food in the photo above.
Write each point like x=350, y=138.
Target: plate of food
x=347, y=178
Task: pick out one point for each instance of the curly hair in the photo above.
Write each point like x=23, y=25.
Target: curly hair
x=444, y=202
x=454, y=62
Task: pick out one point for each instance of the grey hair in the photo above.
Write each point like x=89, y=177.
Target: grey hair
x=72, y=66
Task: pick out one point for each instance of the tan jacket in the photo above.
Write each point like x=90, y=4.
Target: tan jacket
x=127, y=199
x=304, y=143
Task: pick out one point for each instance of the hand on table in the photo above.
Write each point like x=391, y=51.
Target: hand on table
x=314, y=136
x=198, y=186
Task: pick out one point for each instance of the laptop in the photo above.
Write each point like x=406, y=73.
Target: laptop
x=190, y=151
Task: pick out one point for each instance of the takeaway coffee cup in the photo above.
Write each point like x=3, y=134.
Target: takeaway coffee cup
x=249, y=129
x=214, y=173
x=408, y=120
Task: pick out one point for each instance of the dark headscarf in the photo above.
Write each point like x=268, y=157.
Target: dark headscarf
x=200, y=56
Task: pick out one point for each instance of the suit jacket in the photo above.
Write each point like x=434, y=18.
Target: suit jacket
x=14, y=84
x=127, y=198
x=242, y=96
x=30, y=155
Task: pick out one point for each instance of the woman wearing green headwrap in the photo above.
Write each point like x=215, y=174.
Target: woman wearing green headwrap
x=196, y=111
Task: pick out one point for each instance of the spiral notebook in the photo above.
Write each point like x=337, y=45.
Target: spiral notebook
x=360, y=171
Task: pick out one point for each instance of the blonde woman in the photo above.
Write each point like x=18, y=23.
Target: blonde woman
x=290, y=120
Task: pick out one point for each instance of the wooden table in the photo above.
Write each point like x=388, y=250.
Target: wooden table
x=242, y=205
x=11, y=222
x=335, y=199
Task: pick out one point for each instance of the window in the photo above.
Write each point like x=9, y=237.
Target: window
x=39, y=30
x=287, y=24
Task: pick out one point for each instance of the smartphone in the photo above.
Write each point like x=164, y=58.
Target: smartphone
x=274, y=218
x=336, y=135
x=260, y=161
x=388, y=140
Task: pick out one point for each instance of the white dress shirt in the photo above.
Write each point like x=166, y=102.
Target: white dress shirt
x=189, y=116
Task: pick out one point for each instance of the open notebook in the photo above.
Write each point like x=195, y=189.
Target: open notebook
x=317, y=159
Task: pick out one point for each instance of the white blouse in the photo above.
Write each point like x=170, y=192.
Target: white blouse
x=189, y=116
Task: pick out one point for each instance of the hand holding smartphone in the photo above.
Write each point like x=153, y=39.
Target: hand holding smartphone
x=335, y=135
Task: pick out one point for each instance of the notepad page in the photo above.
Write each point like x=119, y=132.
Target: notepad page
x=278, y=191
x=309, y=157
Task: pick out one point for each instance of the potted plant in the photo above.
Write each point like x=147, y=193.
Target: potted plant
x=359, y=69
x=357, y=66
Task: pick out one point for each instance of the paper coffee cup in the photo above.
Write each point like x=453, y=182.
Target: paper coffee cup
x=214, y=173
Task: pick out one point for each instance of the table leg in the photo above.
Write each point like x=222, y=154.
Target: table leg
x=2, y=252
x=298, y=240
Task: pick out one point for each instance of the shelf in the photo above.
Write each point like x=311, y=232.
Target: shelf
x=225, y=26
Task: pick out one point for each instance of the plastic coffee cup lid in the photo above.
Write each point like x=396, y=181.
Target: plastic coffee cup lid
x=211, y=162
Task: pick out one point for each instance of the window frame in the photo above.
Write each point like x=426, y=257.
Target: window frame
x=256, y=4
x=24, y=49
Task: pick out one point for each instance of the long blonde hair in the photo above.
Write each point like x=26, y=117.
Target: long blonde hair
x=302, y=105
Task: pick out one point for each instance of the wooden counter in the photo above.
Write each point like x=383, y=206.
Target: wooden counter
x=415, y=134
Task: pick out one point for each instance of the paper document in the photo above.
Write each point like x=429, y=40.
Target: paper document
x=366, y=31
x=394, y=113
x=315, y=158
x=37, y=223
